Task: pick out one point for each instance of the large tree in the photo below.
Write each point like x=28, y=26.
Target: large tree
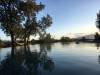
x=9, y=18
x=18, y=18
x=29, y=9
x=31, y=25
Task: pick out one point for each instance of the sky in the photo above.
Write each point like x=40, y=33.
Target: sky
x=70, y=17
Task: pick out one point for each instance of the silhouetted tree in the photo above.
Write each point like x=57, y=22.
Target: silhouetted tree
x=98, y=21
x=10, y=18
x=65, y=39
x=31, y=25
x=44, y=23
x=30, y=9
x=97, y=37
x=83, y=39
x=18, y=19
x=1, y=43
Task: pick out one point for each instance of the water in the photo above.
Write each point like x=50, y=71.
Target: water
x=58, y=59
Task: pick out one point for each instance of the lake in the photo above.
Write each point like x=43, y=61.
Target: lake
x=55, y=59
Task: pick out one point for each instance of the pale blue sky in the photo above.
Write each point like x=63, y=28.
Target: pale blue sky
x=70, y=16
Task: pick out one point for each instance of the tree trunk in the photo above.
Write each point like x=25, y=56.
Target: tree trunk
x=28, y=38
x=12, y=44
x=25, y=43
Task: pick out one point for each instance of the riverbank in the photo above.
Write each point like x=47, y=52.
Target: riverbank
x=5, y=44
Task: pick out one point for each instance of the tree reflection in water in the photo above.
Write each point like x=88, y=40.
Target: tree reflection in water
x=45, y=60
x=25, y=62
x=64, y=44
x=98, y=45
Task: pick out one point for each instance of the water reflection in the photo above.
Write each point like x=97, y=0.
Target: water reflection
x=47, y=62
x=97, y=45
x=46, y=47
x=70, y=59
x=25, y=62
x=65, y=44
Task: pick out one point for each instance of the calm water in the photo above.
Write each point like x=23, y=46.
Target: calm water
x=59, y=59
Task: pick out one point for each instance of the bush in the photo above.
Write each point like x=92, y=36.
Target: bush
x=65, y=39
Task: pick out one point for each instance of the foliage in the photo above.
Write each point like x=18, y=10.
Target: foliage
x=29, y=10
x=65, y=39
x=18, y=19
x=98, y=21
x=44, y=23
x=97, y=37
x=9, y=16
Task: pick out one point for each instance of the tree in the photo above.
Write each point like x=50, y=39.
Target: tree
x=83, y=38
x=65, y=39
x=48, y=37
x=29, y=10
x=44, y=23
x=97, y=37
x=98, y=21
x=9, y=18
x=18, y=19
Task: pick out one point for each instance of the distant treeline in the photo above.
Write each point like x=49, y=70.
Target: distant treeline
x=47, y=39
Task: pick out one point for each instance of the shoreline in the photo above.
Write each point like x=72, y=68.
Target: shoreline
x=48, y=42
